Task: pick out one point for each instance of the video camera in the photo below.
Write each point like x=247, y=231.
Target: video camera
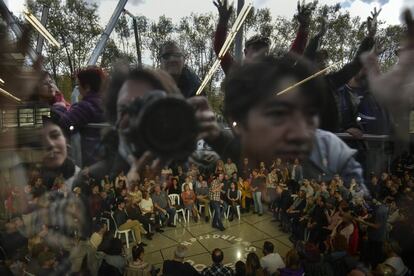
x=163, y=124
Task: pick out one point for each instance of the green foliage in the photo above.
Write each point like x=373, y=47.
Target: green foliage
x=157, y=34
x=193, y=33
x=74, y=23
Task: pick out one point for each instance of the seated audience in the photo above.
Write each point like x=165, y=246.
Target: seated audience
x=162, y=206
x=253, y=266
x=177, y=266
x=217, y=268
x=271, y=261
x=138, y=267
x=188, y=196
x=124, y=222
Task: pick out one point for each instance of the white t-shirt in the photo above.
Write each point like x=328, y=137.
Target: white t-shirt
x=347, y=232
x=272, y=262
x=146, y=205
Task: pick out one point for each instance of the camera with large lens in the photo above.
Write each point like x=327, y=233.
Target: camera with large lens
x=163, y=124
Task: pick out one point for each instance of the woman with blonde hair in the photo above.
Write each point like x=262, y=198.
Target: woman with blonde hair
x=246, y=194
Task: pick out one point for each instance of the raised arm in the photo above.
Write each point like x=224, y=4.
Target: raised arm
x=315, y=43
x=220, y=36
x=304, y=17
x=341, y=77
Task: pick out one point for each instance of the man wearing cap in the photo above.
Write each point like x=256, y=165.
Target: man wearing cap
x=124, y=223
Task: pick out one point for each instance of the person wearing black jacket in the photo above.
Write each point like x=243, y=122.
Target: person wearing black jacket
x=317, y=221
x=124, y=222
x=331, y=117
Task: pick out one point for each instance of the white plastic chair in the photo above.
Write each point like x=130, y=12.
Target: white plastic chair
x=118, y=233
x=201, y=206
x=237, y=208
x=175, y=200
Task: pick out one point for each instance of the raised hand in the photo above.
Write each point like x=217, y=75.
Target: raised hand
x=224, y=9
x=372, y=22
x=395, y=87
x=305, y=12
x=324, y=22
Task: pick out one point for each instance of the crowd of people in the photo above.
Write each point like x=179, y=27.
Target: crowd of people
x=344, y=214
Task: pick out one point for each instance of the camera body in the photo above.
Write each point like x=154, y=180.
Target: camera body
x=163, y=124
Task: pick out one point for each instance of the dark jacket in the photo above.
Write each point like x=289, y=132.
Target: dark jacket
x=120, y=217
x=340, y=263
x=88, y=110
x=175, y=268
x=188, y=83
x=330, y=116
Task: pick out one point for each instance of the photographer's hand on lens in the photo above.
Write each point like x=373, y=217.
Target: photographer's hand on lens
x=209, y=129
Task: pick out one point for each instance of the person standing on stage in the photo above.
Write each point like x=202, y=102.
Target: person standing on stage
x=215, y=201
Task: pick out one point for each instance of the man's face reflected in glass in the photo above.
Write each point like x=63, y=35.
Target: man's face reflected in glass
x=282, y=126
x=172, y=60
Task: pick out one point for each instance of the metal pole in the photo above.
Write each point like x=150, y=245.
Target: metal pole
x=137, y=41
x=239, y=37
x=108, y=30
x=40, y=39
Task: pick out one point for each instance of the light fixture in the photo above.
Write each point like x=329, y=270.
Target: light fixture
x=9, y=95
x=40, y=28
x=358, y=119
x=238, y=255
x=234, y=124
x=1, y=81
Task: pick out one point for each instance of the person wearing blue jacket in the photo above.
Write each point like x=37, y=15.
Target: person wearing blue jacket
x=88, y=110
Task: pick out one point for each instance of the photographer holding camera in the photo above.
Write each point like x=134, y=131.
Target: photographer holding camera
x=143, y=107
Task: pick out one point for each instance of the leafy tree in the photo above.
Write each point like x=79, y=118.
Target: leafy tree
x=124, y=32
x=195, y=33
x=73, y=23
x=158, y=33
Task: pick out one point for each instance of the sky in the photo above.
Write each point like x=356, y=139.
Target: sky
x=176, y=9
